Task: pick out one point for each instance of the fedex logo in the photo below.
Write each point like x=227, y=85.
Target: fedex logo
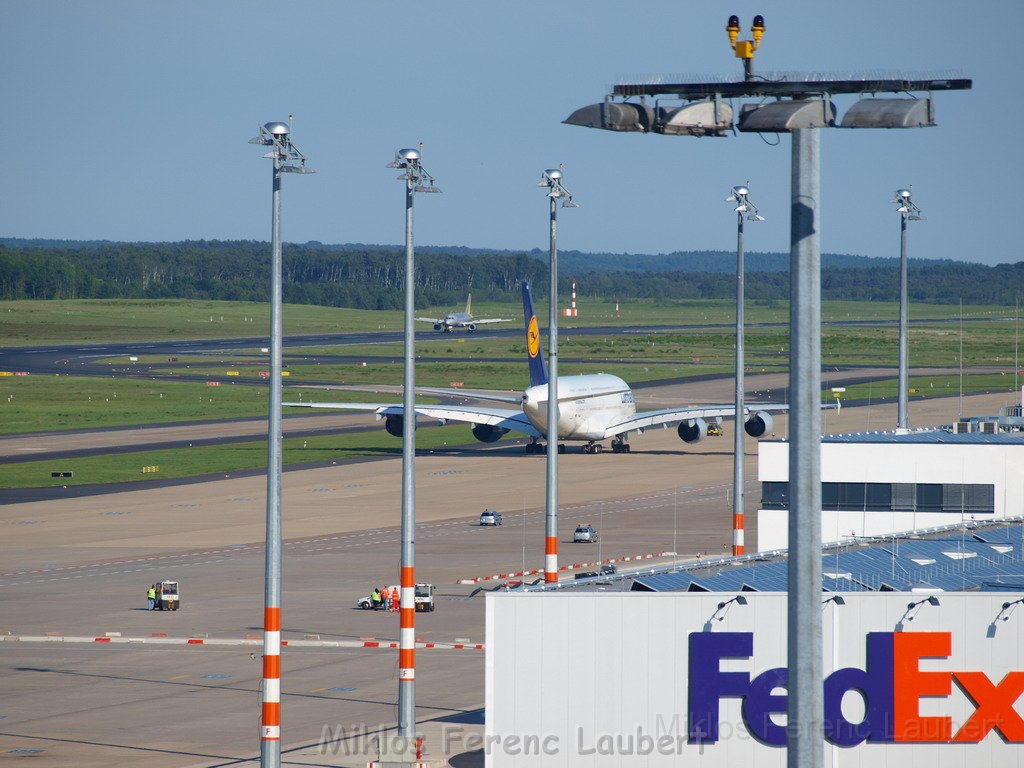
x=891, y=686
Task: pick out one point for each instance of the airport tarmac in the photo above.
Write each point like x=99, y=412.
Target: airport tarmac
x=81, y=566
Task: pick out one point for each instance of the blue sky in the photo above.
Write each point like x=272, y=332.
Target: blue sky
x=129, y=121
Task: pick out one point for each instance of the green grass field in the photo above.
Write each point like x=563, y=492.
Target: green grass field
x=233, y=457
x=98, y=320
x=932, y=386
x=46, y=403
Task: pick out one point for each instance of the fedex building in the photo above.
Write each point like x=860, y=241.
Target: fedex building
x=698, y=678
x=881, y=483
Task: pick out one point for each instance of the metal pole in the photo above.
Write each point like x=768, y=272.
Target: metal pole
x=407, y=605
x=903, y=381
x=805, y=729
x=738, y=458
x=551, y=511
x=270, y=730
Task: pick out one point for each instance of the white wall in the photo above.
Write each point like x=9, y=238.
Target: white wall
x=569, y=673
x=1000, y=465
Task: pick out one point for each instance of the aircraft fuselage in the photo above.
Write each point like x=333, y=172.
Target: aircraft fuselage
x=587, y=405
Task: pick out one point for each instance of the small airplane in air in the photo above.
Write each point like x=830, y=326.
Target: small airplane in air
x=591, y=408
x=454, y=320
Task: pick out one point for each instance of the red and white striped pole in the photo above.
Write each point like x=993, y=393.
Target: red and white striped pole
x=270, y=723
x=737, y=534
x=407, y=629
x=572, y=311
x=550, y=559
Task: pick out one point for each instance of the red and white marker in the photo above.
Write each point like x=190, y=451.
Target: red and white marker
x=571, y=311
x=737, y=534
x=407, y=627
x=270, y=723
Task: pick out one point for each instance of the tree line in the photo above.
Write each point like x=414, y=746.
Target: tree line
x=372, y=277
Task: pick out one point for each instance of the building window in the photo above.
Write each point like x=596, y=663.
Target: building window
x=774, y=495
x=891, y=497
x=929, y=497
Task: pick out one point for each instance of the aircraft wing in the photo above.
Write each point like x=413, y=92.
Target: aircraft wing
x=505, y=418
x=429, y=319
x=493, y=320
x=669, y=416
x=471, y=395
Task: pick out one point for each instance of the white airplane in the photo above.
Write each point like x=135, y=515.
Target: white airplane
x=465, y=319
x=591, y=408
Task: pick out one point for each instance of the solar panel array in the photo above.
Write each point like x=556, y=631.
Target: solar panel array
x=991, y=559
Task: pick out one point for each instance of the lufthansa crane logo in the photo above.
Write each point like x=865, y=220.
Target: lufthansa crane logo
x=533, y=337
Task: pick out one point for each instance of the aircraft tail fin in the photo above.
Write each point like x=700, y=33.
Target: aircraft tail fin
x=538, y=375
x=469, y=304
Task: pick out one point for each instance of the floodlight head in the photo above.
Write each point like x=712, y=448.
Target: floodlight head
x=277, y=130
x=742, y=191
x=408, y=154
x=738, y=599
x=903, y=193
x=931, y=600
x=553, y=173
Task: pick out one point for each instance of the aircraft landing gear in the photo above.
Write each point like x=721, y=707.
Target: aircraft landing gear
x=535, y=447
x=593, y=448
x=619, y=445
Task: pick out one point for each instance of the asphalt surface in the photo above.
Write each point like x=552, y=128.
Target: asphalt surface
x=80, y=567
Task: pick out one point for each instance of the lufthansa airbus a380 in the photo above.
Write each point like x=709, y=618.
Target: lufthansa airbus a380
x=591, y=408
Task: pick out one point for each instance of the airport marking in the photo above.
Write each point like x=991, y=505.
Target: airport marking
x=231, y=641
x=573, y=567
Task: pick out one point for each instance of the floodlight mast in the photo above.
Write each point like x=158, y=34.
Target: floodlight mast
x=908, y=212
x=799, y=107
x=416, y=180
x=287, y=159
x=745, y=210
x=551, y=180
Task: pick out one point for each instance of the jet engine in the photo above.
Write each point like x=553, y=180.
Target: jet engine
x=394, y=425
x=487, y=433
x=692, y=430
x=758, y=424
x=471, y=327
x=438, y=326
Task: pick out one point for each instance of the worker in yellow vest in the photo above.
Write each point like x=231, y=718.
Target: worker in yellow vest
x=151, y=596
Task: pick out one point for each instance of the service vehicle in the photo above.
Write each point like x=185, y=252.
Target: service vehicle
x=167, y=598
x=424, y=598
x=584, y=534
x=490, y=517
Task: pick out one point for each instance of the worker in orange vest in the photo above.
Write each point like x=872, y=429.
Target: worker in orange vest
x=396, y=597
